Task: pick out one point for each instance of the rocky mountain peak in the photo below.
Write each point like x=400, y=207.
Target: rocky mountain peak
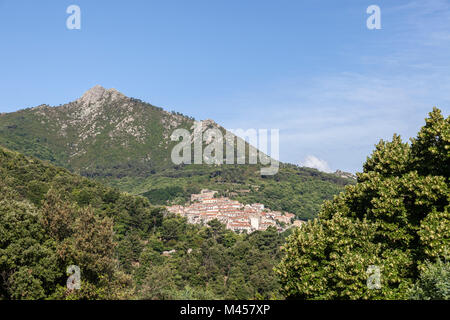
x=98, y=93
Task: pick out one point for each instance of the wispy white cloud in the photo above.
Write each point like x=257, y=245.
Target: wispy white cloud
x=314, y=162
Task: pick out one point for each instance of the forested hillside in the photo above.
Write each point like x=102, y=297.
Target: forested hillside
x=125, y=247
x=297, y=190
x=125, y=143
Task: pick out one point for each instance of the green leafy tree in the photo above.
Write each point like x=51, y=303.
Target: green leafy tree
x=159, y=283
x=434, y=282
x=29, y=265
x=395, y=217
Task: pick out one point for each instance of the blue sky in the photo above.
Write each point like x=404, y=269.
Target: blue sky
x=309, y=68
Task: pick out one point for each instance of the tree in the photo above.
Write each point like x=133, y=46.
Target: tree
x=430, y=150
x=93, y=245
x=83, y=239
x=57, y=216
x=29, y=266
x=395, y=217
x=434, y=282
x=173, y=228
x=159, y=283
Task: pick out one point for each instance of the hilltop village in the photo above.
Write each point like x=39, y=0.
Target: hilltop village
x=205, y=207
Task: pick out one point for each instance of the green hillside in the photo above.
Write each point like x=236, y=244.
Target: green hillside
x=126, y=143
x=51, y=219
x=293, y=189
x=102, y=134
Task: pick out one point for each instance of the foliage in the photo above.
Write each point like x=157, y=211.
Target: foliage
x=433, y=283
x=118, y=241
x=396, y=217
x=28, y=258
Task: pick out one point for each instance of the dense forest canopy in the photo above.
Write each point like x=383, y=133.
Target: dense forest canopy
x=52, y=219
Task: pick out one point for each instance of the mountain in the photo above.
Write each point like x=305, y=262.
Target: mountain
x=104, y=133
x=126, y=143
